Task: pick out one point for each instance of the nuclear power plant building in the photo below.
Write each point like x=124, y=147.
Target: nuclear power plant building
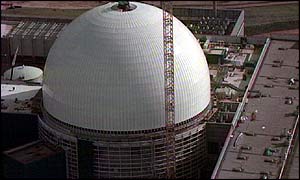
x=148, y=90
x=103, y=95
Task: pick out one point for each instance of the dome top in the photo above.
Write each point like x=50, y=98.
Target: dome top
x=106, y=71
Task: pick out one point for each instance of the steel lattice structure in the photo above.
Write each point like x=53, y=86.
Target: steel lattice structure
x=169, y=87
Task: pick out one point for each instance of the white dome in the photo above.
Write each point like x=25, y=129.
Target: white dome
x=105, y=71
x=25, y=73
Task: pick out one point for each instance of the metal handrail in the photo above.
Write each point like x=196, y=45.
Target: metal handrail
x=289, y=148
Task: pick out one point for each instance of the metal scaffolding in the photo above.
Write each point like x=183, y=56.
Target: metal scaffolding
x=169, y=87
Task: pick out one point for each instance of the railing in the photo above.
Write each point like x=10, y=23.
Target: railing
x=251, y=82
x=240, y=108
x=238, y=25
x=291, y=142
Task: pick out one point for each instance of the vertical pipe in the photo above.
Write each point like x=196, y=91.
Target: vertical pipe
x=215, y=8
x=9, y=55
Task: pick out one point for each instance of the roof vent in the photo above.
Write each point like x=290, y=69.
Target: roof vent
x=238, y=169
x=276, y=138
x=241, y=157
x=270, y=160
x=249, y=133
x=123, y=6
x=269, y=151
x=268, y=86
x=246, y=147
x=264, y=175
x=289, y=101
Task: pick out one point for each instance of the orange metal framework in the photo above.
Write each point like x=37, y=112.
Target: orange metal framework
x=169, y=87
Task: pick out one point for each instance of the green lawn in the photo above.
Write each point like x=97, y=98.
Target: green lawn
x=270, y=14
x=46, y=12
x=272, y=18
x=275, y=26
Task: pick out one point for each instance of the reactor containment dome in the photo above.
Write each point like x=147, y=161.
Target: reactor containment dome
x=106, y=71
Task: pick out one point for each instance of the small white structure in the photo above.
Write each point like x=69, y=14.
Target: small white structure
x=25, y=73
x=213, y=73
x=22, y=92
x=237, y=59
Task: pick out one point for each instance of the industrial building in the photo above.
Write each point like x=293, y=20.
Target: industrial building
x=30, y=40
x=212, y=22
x=103, y=87
x=208, y=19
x=263, y=141
x=102, y=98
x=35, y=36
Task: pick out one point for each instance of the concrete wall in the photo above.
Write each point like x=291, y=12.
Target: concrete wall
x=28, y=46
x=216, y=134
x=239, y=25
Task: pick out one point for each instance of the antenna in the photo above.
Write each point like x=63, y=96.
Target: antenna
x=215, y=8
x=13, y=63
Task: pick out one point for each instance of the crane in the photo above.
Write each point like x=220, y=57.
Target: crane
x=168, y=47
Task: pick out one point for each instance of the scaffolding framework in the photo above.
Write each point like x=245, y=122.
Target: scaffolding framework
x=169, y=87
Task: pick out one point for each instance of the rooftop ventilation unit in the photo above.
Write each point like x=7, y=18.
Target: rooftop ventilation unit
x=270, y=160
x=249, y=133
x=276, y=138
x=241, y=157
x=268, y=86
x=246, y=147
x=238, y=169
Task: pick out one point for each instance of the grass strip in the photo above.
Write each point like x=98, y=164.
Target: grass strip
x=45, y=12
x=266, y=28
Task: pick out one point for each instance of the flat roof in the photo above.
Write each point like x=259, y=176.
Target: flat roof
x=213, y=72
x=5, y=29
x=271, y=120
x=235, y=78
x=24, y=95
x=33, y=151
x=37, y=29
x=12, y=91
